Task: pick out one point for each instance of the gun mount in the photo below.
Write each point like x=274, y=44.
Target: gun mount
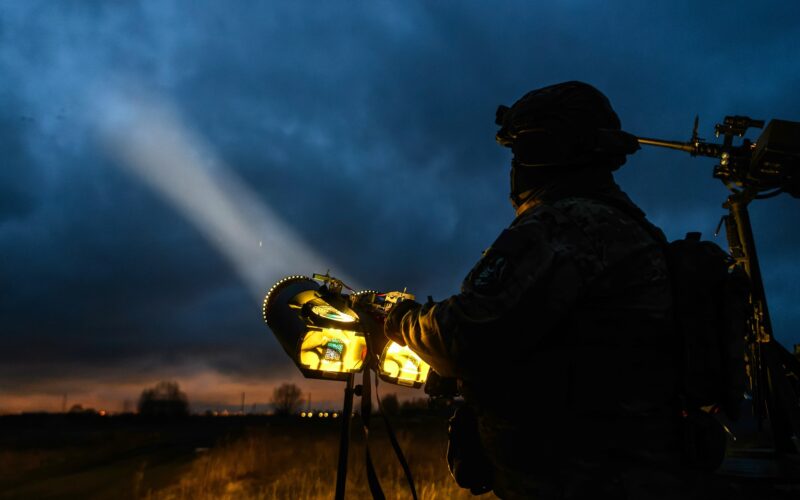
x=752, y=170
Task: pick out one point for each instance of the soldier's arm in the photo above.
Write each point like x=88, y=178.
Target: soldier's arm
x=442, y=332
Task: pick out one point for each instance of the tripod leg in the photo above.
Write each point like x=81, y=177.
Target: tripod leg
x=344, y=441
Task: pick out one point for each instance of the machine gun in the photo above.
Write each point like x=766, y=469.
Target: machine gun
x=757, y=170
x=763, y=169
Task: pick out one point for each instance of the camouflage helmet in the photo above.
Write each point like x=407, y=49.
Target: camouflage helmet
x=570, y=123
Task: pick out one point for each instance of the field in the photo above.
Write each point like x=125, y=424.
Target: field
x=250, y=457
x=78, y=456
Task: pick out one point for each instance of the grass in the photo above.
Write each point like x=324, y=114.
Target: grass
x=252, y=457
x=52, y=456
x=301, y=463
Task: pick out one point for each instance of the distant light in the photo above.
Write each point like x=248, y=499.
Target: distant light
x=320, y=414
x=303, y=414
x=335, y=415
x=102, y=413
x=326, y=414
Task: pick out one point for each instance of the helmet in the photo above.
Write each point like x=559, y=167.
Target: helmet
x=568, y=124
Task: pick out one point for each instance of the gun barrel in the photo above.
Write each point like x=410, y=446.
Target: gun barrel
x=682, y=146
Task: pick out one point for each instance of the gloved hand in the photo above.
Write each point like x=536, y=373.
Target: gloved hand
x=391, y=327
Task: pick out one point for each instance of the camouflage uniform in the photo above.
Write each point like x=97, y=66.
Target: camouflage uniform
x=568, y=314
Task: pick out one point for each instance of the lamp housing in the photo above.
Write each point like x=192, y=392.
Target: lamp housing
x=316, y=328
x=329, y=334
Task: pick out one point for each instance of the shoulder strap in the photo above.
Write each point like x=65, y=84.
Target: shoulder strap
x=396, y=444
x=366, y=411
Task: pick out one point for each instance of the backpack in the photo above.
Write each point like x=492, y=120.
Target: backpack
x=711, y=303
x=712, y=314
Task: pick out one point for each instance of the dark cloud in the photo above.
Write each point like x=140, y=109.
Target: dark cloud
x=368, y=129
x=19, y=181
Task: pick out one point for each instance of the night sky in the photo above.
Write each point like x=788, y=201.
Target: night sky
x=164, y=163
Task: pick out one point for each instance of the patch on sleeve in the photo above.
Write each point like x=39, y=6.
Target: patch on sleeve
x=490, y=273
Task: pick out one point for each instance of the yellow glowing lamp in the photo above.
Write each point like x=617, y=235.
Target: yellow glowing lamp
x=396, y=364
x=318, y=330
x=400, y=365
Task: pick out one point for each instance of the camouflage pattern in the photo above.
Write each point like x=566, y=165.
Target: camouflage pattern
x=568, y=311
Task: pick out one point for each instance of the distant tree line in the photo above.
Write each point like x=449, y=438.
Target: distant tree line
x=287, y=399
x=164, y=400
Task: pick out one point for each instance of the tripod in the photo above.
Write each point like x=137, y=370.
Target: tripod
x=771, y=365
x=364, y=391
x=344, y=438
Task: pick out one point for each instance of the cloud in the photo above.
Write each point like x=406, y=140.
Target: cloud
x=367, y=133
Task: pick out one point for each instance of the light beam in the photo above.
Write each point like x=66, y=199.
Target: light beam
x=147, y=137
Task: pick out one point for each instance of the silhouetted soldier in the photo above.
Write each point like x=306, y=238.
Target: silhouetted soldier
x=569, y=312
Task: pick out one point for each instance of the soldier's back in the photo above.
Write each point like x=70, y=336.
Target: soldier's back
x=595, y=361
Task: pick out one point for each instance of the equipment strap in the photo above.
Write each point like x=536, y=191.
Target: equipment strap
x=395, y=444
x=366, y=412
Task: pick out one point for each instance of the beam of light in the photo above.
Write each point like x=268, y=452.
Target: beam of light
x=146, y=136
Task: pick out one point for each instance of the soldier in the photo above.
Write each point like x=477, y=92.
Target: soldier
x=568, y=312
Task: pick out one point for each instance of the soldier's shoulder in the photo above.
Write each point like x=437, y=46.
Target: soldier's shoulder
x=616, y=229
x=600, y=215
x=579, y=207
x=542, y=215
x=595, y=221
x=575, y=212
x=558, y=227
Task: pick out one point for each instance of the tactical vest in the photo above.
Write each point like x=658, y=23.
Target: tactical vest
x=599, y=374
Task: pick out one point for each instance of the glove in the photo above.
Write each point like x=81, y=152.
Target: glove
x=392, y=327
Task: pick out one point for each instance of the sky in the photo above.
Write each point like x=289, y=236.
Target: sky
x=165, y=162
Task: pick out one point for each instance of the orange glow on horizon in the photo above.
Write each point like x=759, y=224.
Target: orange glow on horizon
x=205, y=388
